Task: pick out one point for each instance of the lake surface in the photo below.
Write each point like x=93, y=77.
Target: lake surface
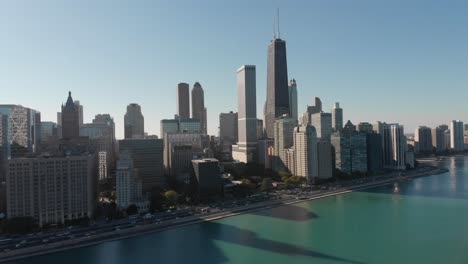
x=420, y=221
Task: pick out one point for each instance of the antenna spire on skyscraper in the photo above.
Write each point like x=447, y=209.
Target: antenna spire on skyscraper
x=278, y=23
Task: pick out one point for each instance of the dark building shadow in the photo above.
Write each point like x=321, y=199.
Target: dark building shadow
x=235, y=235
x=191, y=244
x=288, y=212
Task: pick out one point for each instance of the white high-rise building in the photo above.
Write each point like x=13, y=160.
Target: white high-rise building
x=128, y=184
x=247, y=114
x=283, y=139
x=52, y=190
x=395, y=146
x=323, y=125
x=456, y=136
x=305, y=151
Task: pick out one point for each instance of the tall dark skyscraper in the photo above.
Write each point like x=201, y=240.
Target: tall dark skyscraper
x=134, y=122
x=277, y=101
x=198, y=105
x=183, y=100
x=70, y=119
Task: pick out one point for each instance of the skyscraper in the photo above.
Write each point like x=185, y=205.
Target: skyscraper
x=315, y=108
x=438, y=139
x=423, y=139
x=293, y=98
x=247, y=114
x=70, y=119
x=305, y=151
x=323, y=125
x=134, y=122
x=21, y=132
x=456, y=136
x=80, y=112
x=183, y=100
x=147, y=156
x=128, y=186
x=277, y=101
x=198, y=105
x=228, y=129
x=283, y=139
x=394, y=146
x=337, y=117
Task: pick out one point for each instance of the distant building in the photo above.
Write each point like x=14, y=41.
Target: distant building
x=228, y=129
x=190, y=125
x=244, y=150
x=198, y=106
x=260, y=130
x=324, y=160
x=337, y=117
x=264, y=157
x=48, y=131
x=168, y=126
x=290, y=160
x=365, y=127
x=293, y=99
x=283, y=139
x=394, y=146
x=70, y=119
x=79, y=107
x=183, y=100
x=21, y=132
x=147, y=156
x=52, y=190
x=350, y=151
x=457, y=135
x=438, y=139
x=102, y=132
x=128, y=185
x=323, y=125
x=208, y=176
x=134, y=122
x=374, y=153
x=423, y=139
x=305, y=150
x=315, y=108
x=179, y=150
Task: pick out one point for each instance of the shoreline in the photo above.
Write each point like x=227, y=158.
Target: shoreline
x=152, y=228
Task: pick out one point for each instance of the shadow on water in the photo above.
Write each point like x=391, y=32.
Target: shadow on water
x=288, y=212
x=235, y=235
x=192, y=244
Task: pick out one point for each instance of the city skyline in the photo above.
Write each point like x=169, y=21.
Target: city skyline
x=398, y=60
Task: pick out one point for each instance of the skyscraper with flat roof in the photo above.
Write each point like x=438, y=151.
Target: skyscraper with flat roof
x=283, y=140
x=247, y=114
x=305, y=151
x=323, y=125
x=293, y=99
x=423, y=139
x=277, y=101
x=456, y=136
x=183, y=100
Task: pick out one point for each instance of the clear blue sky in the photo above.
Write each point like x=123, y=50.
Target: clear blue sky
x=396, y=61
